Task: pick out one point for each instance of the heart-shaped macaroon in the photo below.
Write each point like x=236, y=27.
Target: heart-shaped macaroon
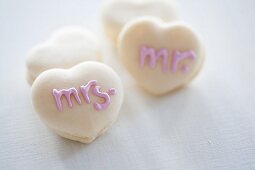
x=65, y=48
x=79, y=103
x=116, y=13
x=160, y=56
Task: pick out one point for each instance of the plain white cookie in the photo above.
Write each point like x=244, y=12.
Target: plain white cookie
x=160, y=56
x=116, y=13
x=64, y=49
x=82, y=121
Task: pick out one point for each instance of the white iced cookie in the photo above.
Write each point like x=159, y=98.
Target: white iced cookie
x=160, y=56
x=79, y=103
x=116, y=13
x=64, y=49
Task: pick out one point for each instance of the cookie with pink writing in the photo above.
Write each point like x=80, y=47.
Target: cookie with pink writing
x=160, y=56
x=79, y=103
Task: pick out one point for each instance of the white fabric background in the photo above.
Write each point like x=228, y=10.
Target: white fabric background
x=208, y=125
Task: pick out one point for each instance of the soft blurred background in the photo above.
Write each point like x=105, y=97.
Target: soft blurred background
x=207, y=125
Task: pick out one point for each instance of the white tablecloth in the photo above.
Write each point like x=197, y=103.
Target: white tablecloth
x=208, y=125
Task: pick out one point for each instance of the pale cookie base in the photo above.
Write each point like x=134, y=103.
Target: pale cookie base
x=153, y=32
x=81, y=122
x=189, y=80
x=66, y=48
x=30, y=79
x=184, y=83
x=112, y=31
x=82, y=139
x=116, y=14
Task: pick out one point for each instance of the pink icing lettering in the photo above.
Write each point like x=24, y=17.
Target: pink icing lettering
x=180, y=56
x=85, y=90
x=154, y=56
x=85, y=93
x=105, y=96
x=112, y=91
x=67, y=93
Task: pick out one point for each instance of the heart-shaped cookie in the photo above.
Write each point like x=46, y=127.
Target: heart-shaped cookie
x=160, y=56
x=78, y=103
x=116, y=13
x=65, y=48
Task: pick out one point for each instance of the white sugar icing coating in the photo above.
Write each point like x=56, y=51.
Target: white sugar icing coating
x=65, y=48
x=81, y=122
x=116, y=13
x=160, y=56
